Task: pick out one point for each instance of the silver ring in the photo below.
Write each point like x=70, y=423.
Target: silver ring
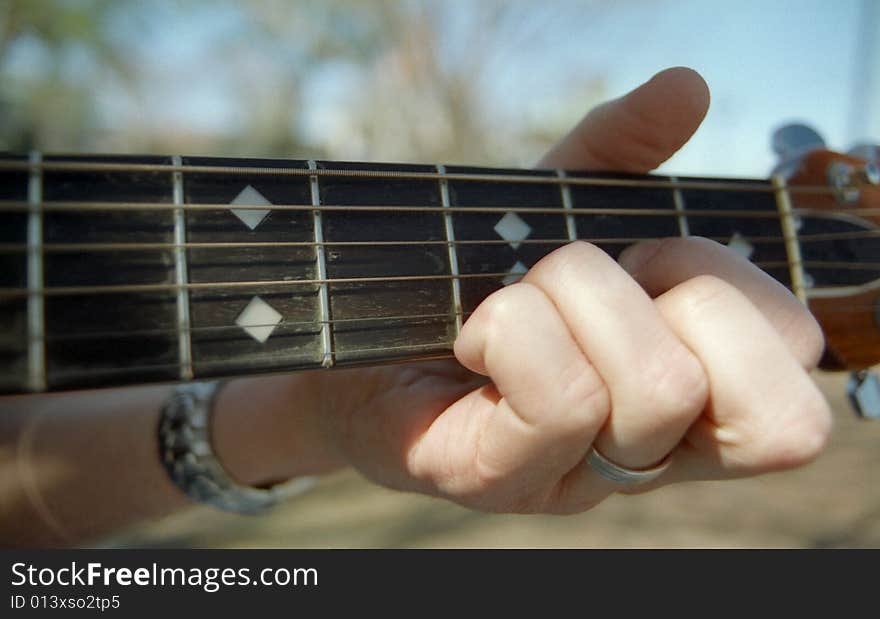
x=622, y=475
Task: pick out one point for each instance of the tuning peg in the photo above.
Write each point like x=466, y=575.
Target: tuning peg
x=847, y=180
x=794, y=140
x=869, y=152
x=863, y=390
x=868, y=174
x=790, y=143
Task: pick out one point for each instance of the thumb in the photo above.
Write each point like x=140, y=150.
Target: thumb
x=638, y=131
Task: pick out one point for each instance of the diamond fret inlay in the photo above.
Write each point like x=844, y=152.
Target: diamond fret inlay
x=250, y=197
x=515, y=273
x=513, y=229
x=258, y=319
x=741, y=245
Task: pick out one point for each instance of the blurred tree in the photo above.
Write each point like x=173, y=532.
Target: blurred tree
x=412, y=80
x=45, y=99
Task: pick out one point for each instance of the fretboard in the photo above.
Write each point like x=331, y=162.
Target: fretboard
x=120, y=270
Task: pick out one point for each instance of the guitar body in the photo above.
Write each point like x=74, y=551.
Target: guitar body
x=848, y=308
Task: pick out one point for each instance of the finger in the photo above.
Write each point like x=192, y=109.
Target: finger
x=547, y=406
x=661, y=265
x=638, y=131
x=374, y=416
x=657, y=385
x=766, y=412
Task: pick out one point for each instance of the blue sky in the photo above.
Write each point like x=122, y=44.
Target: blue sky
x=767, y=63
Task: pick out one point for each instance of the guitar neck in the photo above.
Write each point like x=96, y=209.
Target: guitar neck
x=119, y=270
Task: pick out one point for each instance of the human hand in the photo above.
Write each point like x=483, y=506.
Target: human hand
x=681, y=347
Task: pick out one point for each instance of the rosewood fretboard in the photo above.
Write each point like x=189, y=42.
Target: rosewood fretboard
x=118, y=270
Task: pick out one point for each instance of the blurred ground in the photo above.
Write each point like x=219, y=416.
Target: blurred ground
x=832, y=503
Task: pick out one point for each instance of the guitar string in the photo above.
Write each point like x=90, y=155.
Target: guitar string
x=434, y=350
x=129, y=246
x=554, y=211
x=145, y=246
x=230, y=286
x=528, y=177
x=825, y=236
x=496, y=178
x=757, y=239
x=465, y=210
x=311, y=327
x=14, y=292
x=307, y=324
x=19, y=292
x=70, y=206
x=81, y=206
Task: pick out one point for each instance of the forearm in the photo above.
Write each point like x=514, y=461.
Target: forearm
x=81, y=465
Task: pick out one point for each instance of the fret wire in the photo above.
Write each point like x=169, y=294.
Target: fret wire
x=792, y=247
x=321, y=264
x=748, y=186
x=35, y=302
x=450, y=241
x=181, y=275
x=565, y=193
x=13, y=206
x=678, y=199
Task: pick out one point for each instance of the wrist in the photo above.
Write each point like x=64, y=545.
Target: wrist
x=268, y=429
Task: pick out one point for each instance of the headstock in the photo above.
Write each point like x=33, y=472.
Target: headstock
x=836, y=201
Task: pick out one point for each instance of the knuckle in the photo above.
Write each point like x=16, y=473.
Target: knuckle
x=682, y=245
x=503, y=308
x=813, y=433
x=586, y=400
x=499, y=314
x=800, y=331
x=811, y=337
x=704, y=294
x=801, y=436
x=571, y=500
x=497, y=491
x=558, y=263
x=487, y=477
x=681, y=388
x=689, y=244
